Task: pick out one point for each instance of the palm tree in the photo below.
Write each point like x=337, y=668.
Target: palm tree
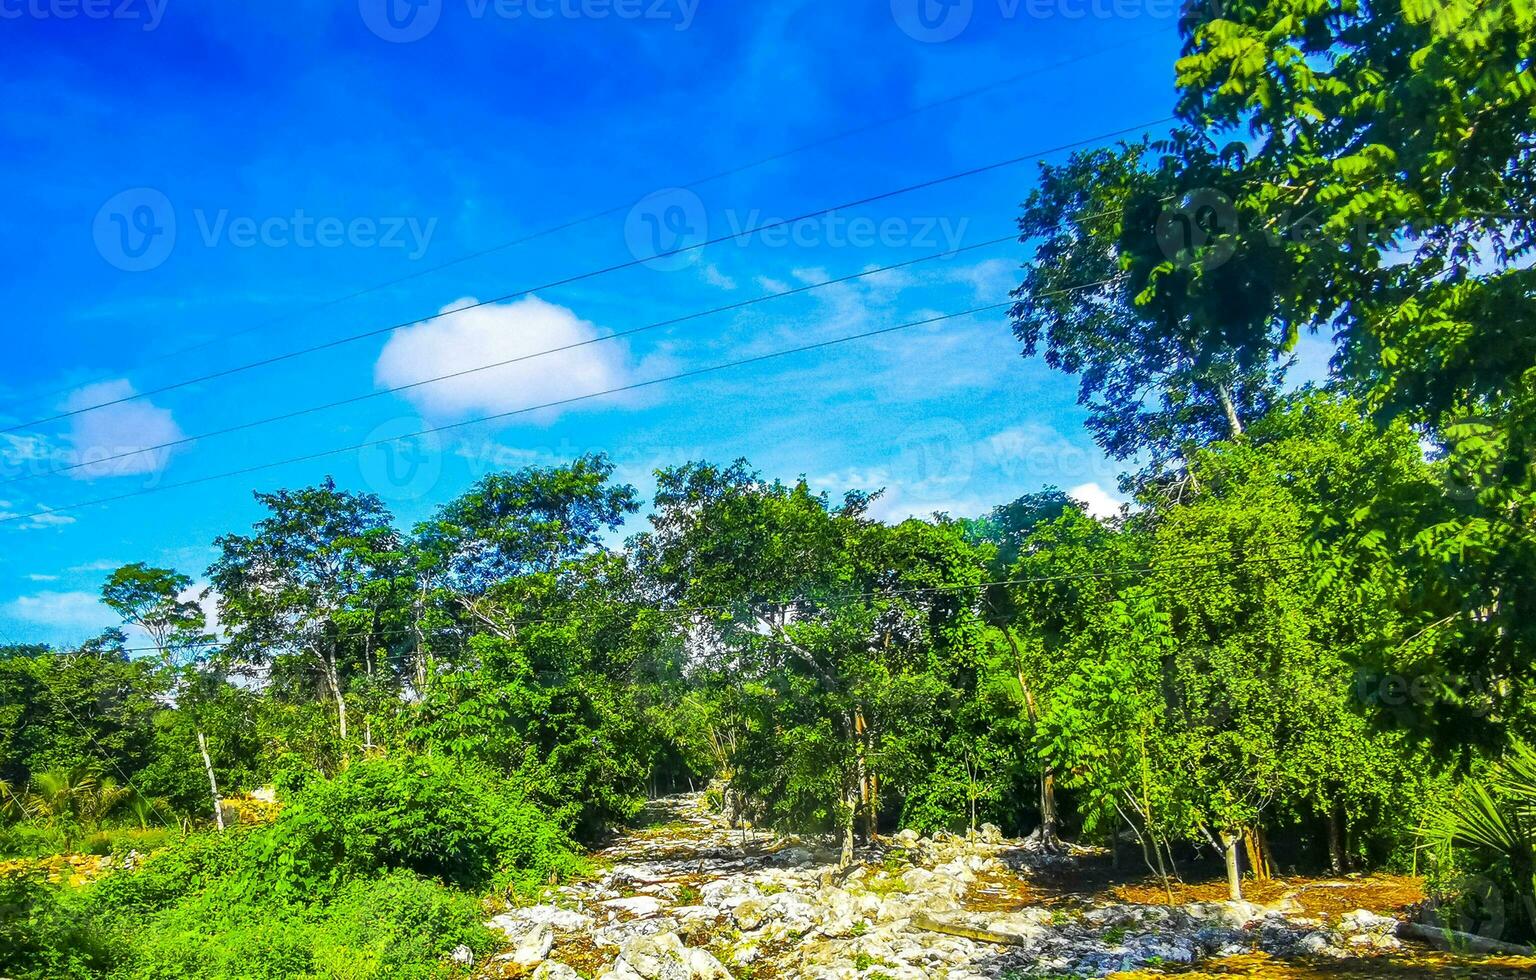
x=104, y=800
x=79, y=794
x=144, y=809
x=12, y=807
x=1494, y=818
x=60, y=793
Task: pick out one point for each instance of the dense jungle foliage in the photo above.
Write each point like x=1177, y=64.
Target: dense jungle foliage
x=1308, y=642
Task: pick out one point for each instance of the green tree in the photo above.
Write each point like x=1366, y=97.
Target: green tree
x=90, y=708
x=289, y=592
x=548, y=683
x=1005, y=536
x=151, y=599
x=1391, y=157
x=1175, y=347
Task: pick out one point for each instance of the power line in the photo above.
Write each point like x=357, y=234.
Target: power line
x=590, y=274
x=297, y=413
x=607, y=212
x=520, y=411
x=559, y=402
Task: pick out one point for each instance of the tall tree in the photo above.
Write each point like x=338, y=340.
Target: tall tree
x=1006, y=534
x=521, y=523
x=1394, y=148
x=153, y=600
x=549, y=682
x=286, y=589
x=1176, y=344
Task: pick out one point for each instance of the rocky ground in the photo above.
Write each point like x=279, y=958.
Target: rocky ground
x=690, y=898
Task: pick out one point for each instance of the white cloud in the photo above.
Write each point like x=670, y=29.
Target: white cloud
x=24, y=451
x=1100, y=502
x=96, y=436
x=892, y=508
x=100, y=565
x=79, y=612
x=39, y=577
x=1039, y=454
x=44, y=518
x=990, y=280
x=899, y=499
x=490, y=334
x=76, y=614
x=714, y=277
x=30, y=517
x=206, y=596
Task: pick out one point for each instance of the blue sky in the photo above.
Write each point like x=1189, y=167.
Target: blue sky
x=197, y=186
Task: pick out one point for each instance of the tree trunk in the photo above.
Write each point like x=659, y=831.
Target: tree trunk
x=1150, y=848
x=1254, y=846
x=368, y=666
x=853, y=727
x=332, y=675
x=972, y=792
x=1114, y=842
x=213, y=782
x=1048, y=821
x=874, y=806
x=851, y=806
x=418, y=648
x=333, y=680
x=1270, y=867
x=341, y=715
x=861, y=768
x=1338, y=857
x=1229, y=848
x=1234, y=424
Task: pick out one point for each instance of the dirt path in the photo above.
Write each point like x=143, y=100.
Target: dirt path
x=685, y=897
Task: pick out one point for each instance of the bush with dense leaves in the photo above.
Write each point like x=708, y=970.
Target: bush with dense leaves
x=428, y=815
x=43, y=934
x=396, y=925
x=33, y=840
x=185, y=867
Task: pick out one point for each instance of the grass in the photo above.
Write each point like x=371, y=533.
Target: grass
x=884, y=883
x=864, y=961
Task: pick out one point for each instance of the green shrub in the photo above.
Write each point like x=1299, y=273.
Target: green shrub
x=397, y=925
x=424, y=814
x=184, y=867
x=34, y=840
x=292, y=773
x=43, y=936
x=124, y=840
x=208, y=937
x=355, y=880
x=401, y=926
